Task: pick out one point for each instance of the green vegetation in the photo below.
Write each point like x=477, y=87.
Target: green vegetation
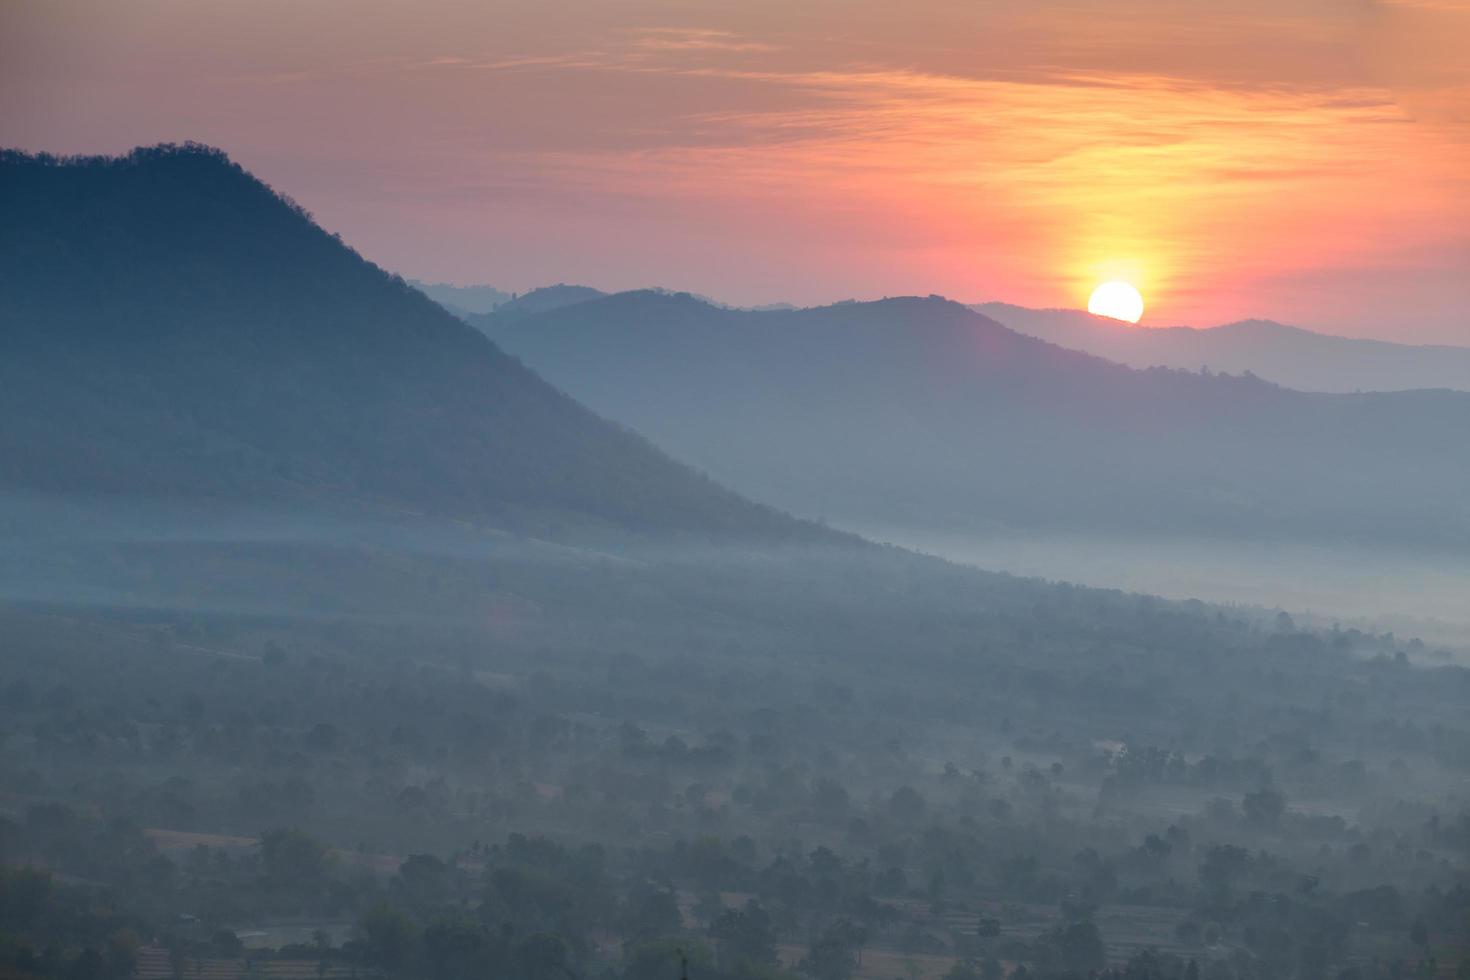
x=853, y=764
x=173, y=327
x=336, y=643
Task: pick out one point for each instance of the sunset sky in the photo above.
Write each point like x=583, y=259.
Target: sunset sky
x=1304, y=160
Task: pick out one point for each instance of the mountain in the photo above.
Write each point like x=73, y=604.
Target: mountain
x=1287, y=355
x=921, y=412
x=542, y=300
x=546, y=299
x=172, y=327
x=463, y=300
x=475, y=304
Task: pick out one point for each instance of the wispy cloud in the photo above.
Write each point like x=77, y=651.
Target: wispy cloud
x=1015, y=148
x=1167, y=180
x=694, y=39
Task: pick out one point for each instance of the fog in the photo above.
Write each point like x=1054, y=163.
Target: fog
x=336, y=642
x=312, y=741
x=1412, y=592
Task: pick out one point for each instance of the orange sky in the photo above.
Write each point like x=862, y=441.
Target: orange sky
x=1306, y=160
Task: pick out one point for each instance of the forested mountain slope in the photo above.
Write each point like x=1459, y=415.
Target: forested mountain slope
x=172, y=326
x=921, y=411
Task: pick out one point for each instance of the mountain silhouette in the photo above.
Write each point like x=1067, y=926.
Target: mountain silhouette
x=923, y=412
x=541, y=300
x=1284, y=354
x=172, y=326
x=463, y=301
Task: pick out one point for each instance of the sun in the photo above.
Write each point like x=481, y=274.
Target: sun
x=1118, y=300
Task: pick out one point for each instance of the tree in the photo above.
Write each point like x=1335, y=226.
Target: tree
x=1223, y=864
x=323, y=943
x=664, y=960
x=708, y=908
x=834, y=955
x=88, y=965
x=825, y=863
x=936, y=890
x=453, y=949
x=292, y=857
x=965, y=969
x=649, y=914
x=423, y=882
x=1073, y=947
x=543, y=956
x=891, y=882
x=122, y=953
x=23, y=893
x=906, y=804
x=745, y=939
x=1264, y=807
x=829, y=798
x=389, y=936
x=227, y=943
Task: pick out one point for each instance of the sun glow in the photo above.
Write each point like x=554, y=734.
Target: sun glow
x=1118, y=300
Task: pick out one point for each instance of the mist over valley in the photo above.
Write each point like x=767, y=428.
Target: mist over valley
x=359, y=628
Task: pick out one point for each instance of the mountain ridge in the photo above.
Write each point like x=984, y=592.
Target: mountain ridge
x=921, y=410
x=1293, y=356
x=176, y=327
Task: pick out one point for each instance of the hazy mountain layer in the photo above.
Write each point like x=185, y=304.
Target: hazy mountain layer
x=541, y=300
x=923, y=412
x=172, y=326
x=1287, y=355
x=463, y=300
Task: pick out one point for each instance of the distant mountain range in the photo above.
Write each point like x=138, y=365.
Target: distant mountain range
x=926, y=413
x=487, y=307
x=542, y=300
x=471, y=302
x=1289, y=356
x=173, y=328
x=463, y=300
x=170, y=327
